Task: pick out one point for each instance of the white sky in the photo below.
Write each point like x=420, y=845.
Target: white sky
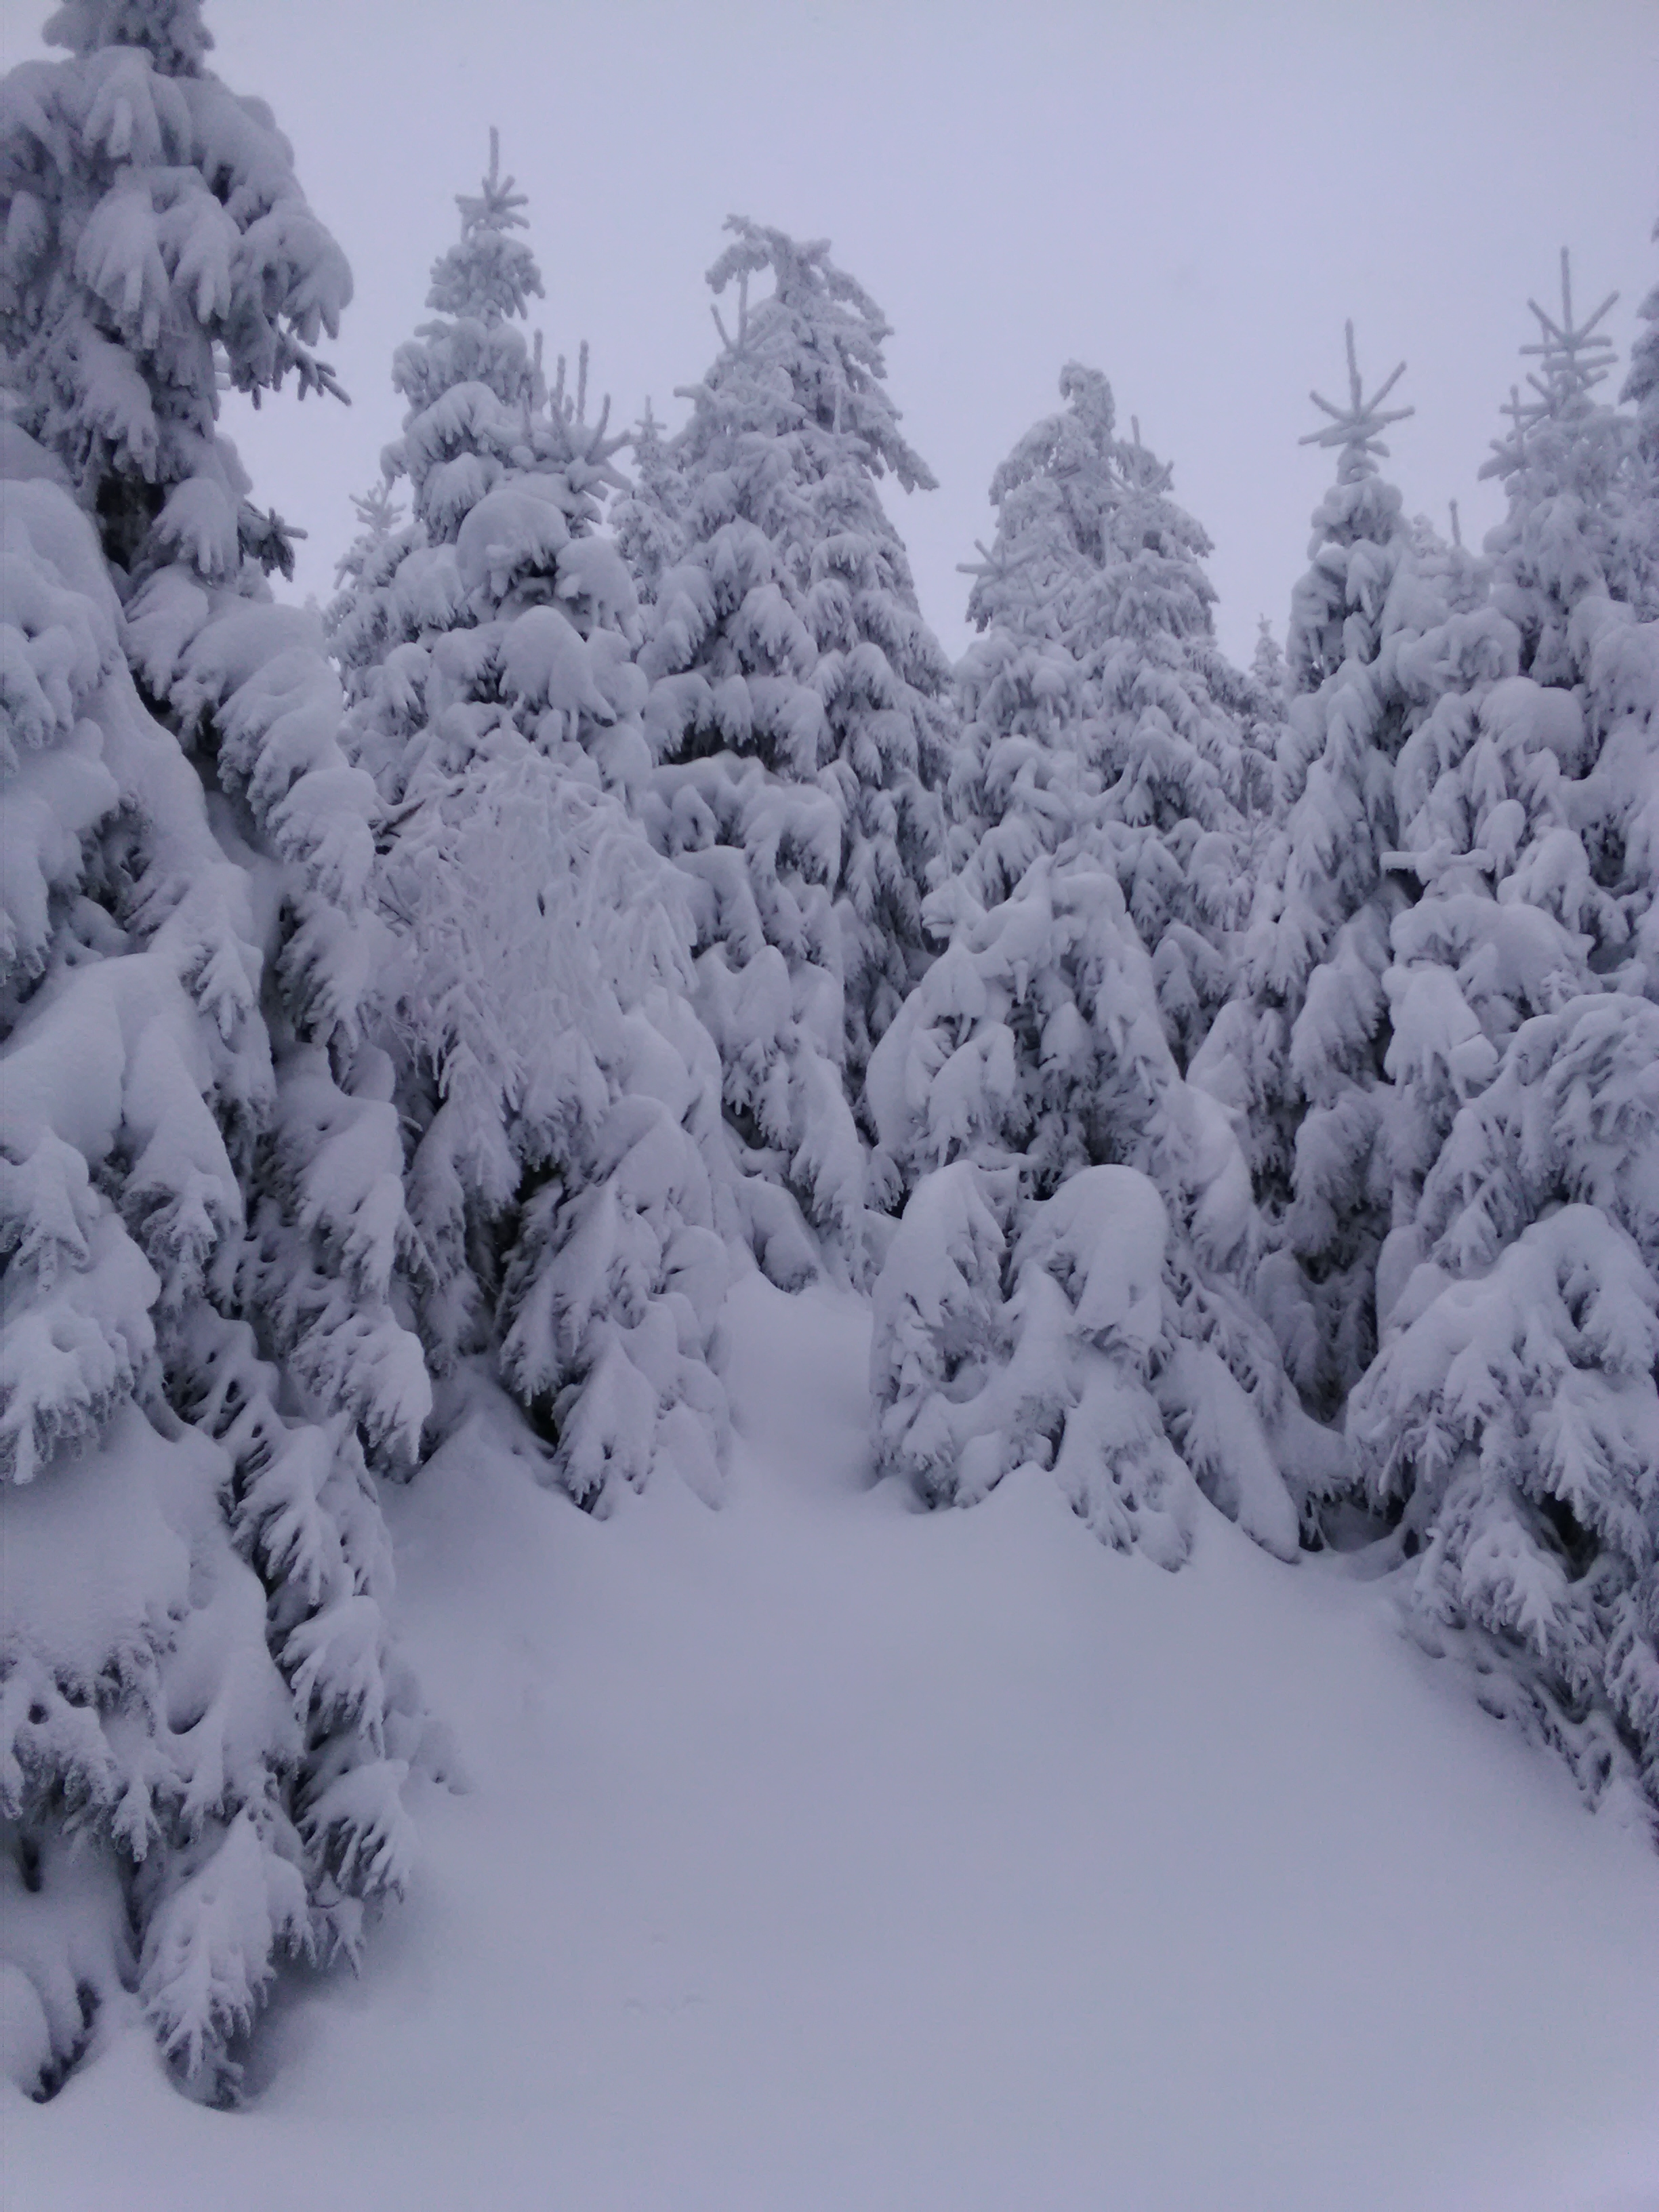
x=1191, y=194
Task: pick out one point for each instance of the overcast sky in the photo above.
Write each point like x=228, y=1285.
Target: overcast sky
x=1191, y=194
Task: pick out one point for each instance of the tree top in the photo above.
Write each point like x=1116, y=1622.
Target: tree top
x=1355, y=429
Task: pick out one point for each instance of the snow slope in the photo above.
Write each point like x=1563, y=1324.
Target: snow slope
x=826, y=1856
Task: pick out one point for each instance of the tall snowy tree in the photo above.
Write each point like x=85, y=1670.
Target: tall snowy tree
x=379, y=518
x=471, y=382
x=1508, y=1423
x=1566, y=465
x=1297, y=1056
x=1102, y=735
x=1511, y=1421
x=1097, y=700
x=204, y=1725
x=1509, y=823
x=1268, y=662
x=1179, y=729
x=1642, y=386
x=1033, y=1076
x=647, y=518
x=799, y=716
x=561, y=1097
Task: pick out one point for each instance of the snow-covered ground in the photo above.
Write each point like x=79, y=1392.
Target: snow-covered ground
x=824, y=1856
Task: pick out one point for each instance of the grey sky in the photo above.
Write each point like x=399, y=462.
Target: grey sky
x=1191, y=196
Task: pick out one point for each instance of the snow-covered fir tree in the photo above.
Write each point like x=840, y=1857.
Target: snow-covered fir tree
x=204, y=1725
x=1508, y=1421
x=1097, y=674
x=379, y=514
x=1267, y=662
x=1103, y=733
x=1567, y=467
x=1181, y=733
x=471, y=381
x=1264, y=732
x=647, y=518
x=799, y=717
x=562, y=1099
x=1298, y=1057
x=1032, y=1085
x=1513, y=794
x=1642, y=386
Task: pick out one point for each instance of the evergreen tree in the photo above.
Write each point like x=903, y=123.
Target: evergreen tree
x=471, y=381
x=1642, y=386
x=1570, y=576
x=1178, y=730
x=1097, y=700
x=1099, y=807
x=378, y=516
x=204, y=1725
x=1267, y=662
x=561, y=1096
x=1103, y=738
x=799, y=716
x=1264, y=729
x=972, y=1383
x=647, y=518
x=1299, y=1055
x=1515, y=795
x=1566, y=465
x=1508, y=1421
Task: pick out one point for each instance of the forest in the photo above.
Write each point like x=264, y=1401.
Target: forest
x=1229, y=1092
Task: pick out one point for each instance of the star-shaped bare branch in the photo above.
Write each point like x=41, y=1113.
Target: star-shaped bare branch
x=1574, y=357
x=1356, y=427
x=496, y=205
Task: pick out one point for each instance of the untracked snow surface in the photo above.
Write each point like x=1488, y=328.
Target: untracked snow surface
x=822, y=1855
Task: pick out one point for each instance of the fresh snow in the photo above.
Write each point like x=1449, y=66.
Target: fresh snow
x=820, y=1855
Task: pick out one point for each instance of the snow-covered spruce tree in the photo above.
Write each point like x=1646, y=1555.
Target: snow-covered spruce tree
x=379, y=518
x=1567, y=467
x=1179, y=731
x=1299, y=1055
x=1268, y=664
x=1029, y=1092
x=1642, y=386
x=1624, y=682
x=1574, y=474
x=1103, y=737
x=1498, y=795
x=1508, y=1422
x=561, y=1097
x=647, y=519
x=1264, y=726
x=204, y=1726
x=471, y=381
x=1096, y=668
x=1520, y=799
x=1021, y=686
x=986, y=1361
x=799, y=716
x=1511, y=1421
x=1074, y=1334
